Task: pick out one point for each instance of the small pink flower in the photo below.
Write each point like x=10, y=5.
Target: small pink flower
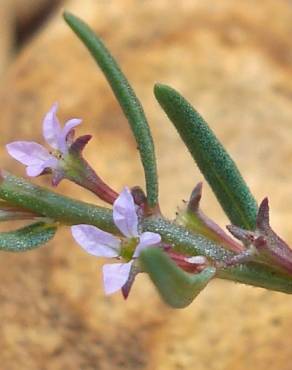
x=35, y=156
x=102, y=244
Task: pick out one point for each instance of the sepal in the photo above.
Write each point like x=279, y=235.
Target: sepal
x=194, y=219
x=75, y=168
x=270, y=247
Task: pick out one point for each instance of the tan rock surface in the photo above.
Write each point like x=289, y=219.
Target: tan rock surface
x=233, y=61
x=17, y=17
x=6, y=38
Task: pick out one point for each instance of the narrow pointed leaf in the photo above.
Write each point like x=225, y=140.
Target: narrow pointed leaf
x=214, y=162
x=127, y=99
x=176, y=287
x=28, y=237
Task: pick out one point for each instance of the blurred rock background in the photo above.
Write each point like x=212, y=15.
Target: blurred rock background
x=233, y=61
x=19, y=20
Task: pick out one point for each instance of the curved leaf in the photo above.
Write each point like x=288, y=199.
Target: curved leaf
x=28, y=237
x=214, y=162
x=176, y=287
x=127, y=99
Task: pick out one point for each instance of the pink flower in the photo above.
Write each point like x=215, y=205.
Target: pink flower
x=102, y=244
x=35, y=156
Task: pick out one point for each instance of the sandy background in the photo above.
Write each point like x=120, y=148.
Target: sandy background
x=233, y=61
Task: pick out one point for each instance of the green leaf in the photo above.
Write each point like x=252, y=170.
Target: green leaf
x=214, y=162
x=28, y=237
x=176, y=287
x=127, y=99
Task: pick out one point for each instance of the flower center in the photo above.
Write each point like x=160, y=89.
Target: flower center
x=128, y=247
x=56, y=153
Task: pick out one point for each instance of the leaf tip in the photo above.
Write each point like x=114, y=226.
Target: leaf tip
x=67, y=15
x=159, y=89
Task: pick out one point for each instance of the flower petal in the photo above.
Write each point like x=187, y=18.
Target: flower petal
x=69, y=126
x=28, y=152
x=51, y=127
x=35, y=170
x=52, y=162
x=124, y=214
x=95, y=241
x=147, y=239
x=115, y=276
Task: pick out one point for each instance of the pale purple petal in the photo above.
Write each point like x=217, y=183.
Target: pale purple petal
x=95, y=241
x=147, y=239
x=69, y=126
x=35, y=170
x=52, y=163
x=28, y=152
x=32, y=154
x=124, y=214
x=115, y=276
x=51, y=127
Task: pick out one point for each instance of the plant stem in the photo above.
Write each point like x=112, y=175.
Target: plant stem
x=68, y=211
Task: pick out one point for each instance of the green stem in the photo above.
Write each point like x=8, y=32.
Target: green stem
x=46, y=203
x=39, y=200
